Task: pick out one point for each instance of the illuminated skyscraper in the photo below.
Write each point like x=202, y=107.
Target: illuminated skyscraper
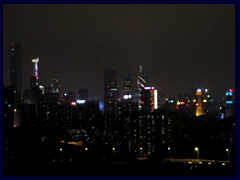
x=229, y=104
x=149, y=99
x=34, y=77
x=16, y=67
x=127, y=87
x=199, y=103
x=141, y=83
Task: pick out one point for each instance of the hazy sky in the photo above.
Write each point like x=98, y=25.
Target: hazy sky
x=178, y=45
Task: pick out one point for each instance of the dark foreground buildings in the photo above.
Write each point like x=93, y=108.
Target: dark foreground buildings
x=68, y=139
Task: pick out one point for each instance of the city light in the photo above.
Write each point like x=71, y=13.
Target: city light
x=148, y=88
x=81, y=101
x=155, y=99
x=35, y=60
x=73, y=104
x=125, y=97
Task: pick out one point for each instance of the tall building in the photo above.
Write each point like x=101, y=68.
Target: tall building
x=128, y=103
x=34, y=76
x=149, y=99
x=127, y=91
x=199, y=103
x=141, y=84
x=162, y=99
x=34, y=94
x=16, y=67
x=229, y=104
x=110, y=92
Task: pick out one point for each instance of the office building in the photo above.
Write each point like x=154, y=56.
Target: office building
x=229, y=104
x=16, y=67
x=110, y=92
x=149, y=100
x=141, y=84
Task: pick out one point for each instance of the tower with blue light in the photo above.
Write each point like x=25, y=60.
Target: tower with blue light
x=229, y=104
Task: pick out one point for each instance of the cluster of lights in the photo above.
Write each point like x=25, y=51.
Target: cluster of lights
x=79, y=101
x=127, y=96
x=229, y=93
x=180, y=102
x=73, y=104
x=113, y=89
x=148, y=88
x=229, y=102
x=171, y=101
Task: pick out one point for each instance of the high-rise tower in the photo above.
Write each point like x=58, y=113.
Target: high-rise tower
x=127, y=87
x=16, y=67
x=110, y=92
x=34, y=77
x=229, y=104
x=141, y=83
x=199, y=103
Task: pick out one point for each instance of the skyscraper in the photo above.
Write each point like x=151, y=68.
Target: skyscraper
x=149, y=99
x=199, y=103
x=16, y=67
x=34, y=76
x=229, y=104
x=127, y=87
x=141, y=83
x=110, y=92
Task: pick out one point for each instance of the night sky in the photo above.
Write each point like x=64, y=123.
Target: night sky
x=179, y=45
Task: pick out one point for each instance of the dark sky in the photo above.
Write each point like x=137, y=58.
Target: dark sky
x=179, y=45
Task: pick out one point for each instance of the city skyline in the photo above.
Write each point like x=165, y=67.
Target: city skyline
x=179, y=45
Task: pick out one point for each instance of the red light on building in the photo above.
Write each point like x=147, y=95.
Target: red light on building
x=73, y=103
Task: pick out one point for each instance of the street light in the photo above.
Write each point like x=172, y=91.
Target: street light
x=113, y=150
x=141, y=151
x=227, y=150
x=169, y=151
x=197, y=150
